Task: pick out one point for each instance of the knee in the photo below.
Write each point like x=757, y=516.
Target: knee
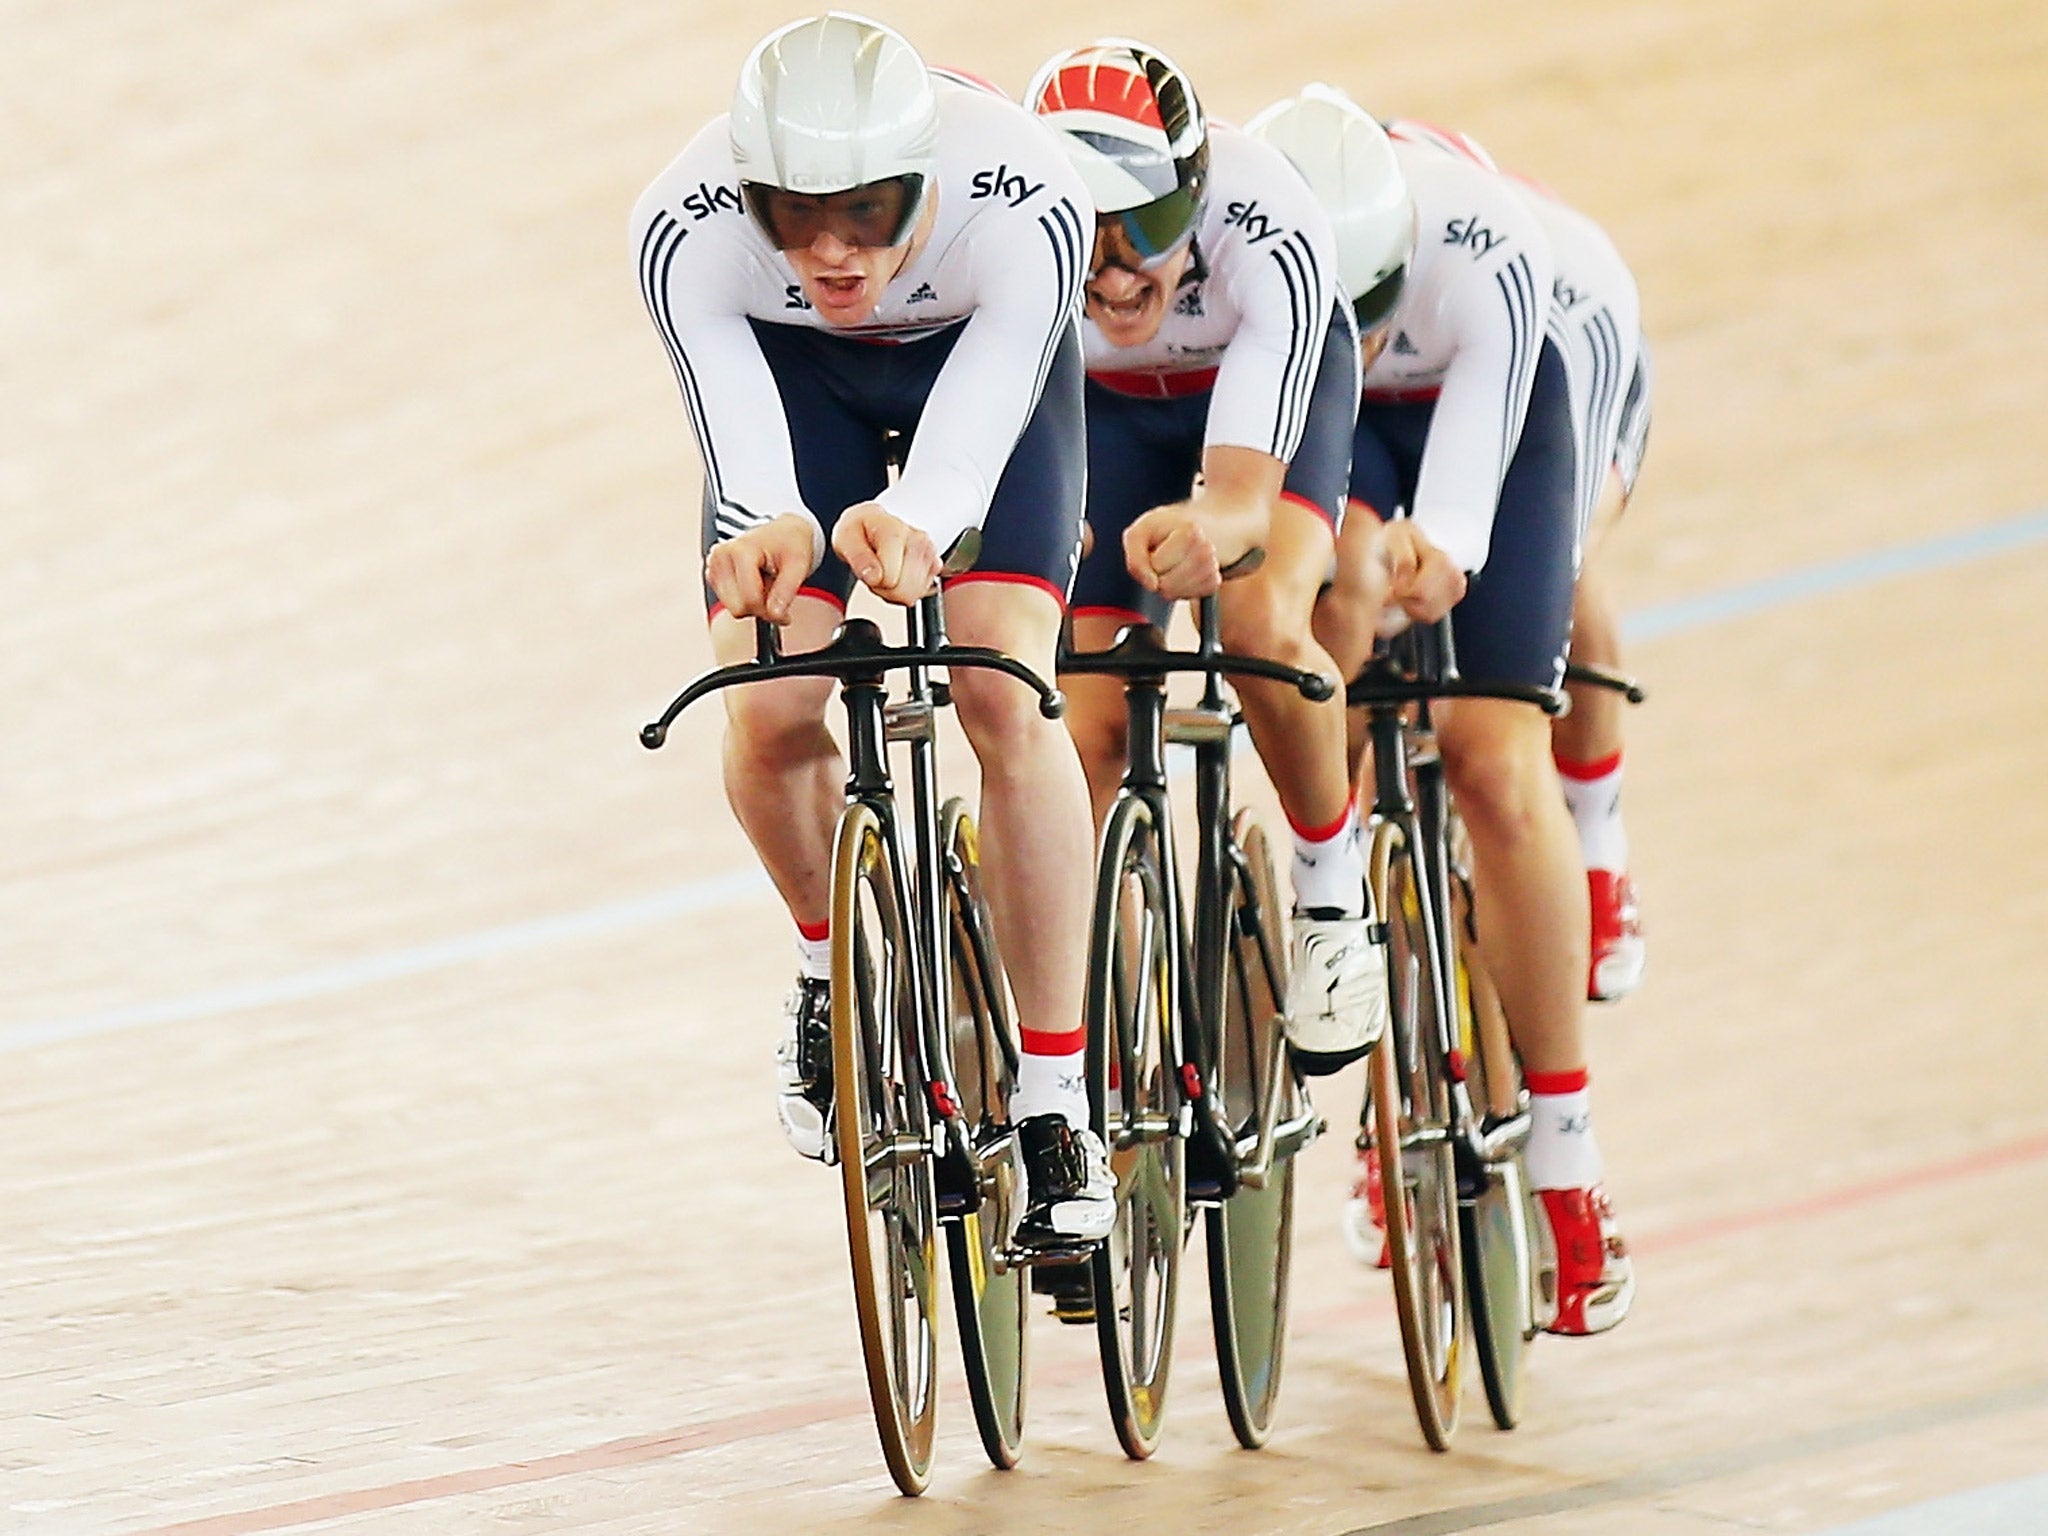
x=1259, y=619
x=776, y=723
x=1000, y=716
x=1499, y=784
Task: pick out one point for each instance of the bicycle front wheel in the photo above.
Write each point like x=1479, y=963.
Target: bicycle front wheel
x=988, y=1302
x=1135, y=1102
x=1251, y=1235
x=1502, y=1275
x=883, y=1128
x=1411, y=1119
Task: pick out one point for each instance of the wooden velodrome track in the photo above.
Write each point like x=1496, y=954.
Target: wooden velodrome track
x=385, y=1134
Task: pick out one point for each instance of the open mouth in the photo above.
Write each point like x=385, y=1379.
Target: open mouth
x=1124, y=310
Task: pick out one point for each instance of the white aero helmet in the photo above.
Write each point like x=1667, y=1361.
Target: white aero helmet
x=1346, y=159
x=833, y=104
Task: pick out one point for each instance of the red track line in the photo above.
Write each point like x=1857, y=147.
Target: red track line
x=769, y=1421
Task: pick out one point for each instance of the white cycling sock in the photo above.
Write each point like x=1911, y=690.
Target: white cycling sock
x=814, y=955
x=1329, y=869
x=1593, y=791
x=1562, y=1153
x=1052, y=1078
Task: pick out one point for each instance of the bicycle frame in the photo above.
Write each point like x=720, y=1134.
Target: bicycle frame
x=1219, y=1163
x=860, y=660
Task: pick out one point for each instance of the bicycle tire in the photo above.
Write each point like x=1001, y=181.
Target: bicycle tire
x=1134, y=1099
x=989, y=1304
x=1251, y=1235
x=1503, y=1273
x=882, y=1125
x=1411, y=1118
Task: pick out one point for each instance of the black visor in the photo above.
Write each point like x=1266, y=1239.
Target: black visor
x=878, y=214
x=1376, y=304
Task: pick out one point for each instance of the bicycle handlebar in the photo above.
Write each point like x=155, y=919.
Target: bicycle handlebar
x=1421, y=663
x=857, y=653
x=1141, y=652
x=1605, y=677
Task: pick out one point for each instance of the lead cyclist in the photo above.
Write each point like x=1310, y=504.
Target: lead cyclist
x=859, y=250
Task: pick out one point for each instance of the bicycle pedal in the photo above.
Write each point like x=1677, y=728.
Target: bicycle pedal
x=1072, y=1289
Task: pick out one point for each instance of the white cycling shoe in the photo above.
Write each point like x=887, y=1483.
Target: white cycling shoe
x=1337, y=1001
x=803, y=1070
x=1070, y=1194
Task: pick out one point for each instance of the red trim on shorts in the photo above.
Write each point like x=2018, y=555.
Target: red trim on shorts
x=1368, y=509
x=818, y=592
x=1322, y=834
x=1586, y=773
x=1556, y=1082
x=1013, y=578
x=1157, y=386
x=1329, y=518
x=1128, y=615
x=1414, y=396
x=1037, y=1042
x=817, y=933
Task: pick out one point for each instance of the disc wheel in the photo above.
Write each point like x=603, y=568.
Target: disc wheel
x=883, y=1129
x=1502, y=1277
x=1251, y=1235
x=1410, y=1096
x=990, y=1304
x=1135, y=1102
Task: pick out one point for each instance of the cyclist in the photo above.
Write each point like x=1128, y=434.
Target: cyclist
x=1222, y=387
x=862, y=249
x=1466, y=423
x=1596, y=314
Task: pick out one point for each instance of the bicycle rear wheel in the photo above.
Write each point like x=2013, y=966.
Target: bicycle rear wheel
x=1251, y=1235
x=988, y=1303
x=1411, y=1117
x=883, y=1127
x=1503, y=1275
x=1135, y=1101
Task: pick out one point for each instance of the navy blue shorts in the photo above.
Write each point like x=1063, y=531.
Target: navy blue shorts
x=1144, y=452
x=1515, y=619
x=843, y=398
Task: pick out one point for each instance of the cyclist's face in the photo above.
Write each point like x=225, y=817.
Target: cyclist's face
x=843, y=279
x=1128, y=294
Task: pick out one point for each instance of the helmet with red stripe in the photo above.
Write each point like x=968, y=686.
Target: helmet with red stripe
x=1133, y=128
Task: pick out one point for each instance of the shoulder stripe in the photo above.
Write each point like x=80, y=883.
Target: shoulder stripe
x=664, y=237
x=1309, y=305
x=1603, y=407
x=1062, y=226
x=1518, y=292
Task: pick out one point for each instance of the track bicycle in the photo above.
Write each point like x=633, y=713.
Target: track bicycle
x=924, y=1048
x=1189, y=1080
x=1446, y=1113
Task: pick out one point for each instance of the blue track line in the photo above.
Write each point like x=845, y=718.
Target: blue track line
x=714, y=891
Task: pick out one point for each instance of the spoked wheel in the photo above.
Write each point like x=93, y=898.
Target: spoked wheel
x=883, y=1128
x=1503, y=1277
x=1136, y=1105
x=990, y=1305
x=1411, y=1121
x=1251, y=1235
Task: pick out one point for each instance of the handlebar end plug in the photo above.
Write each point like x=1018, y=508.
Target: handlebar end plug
x=1053, y=705
x=652, y=736
x=1317, y=689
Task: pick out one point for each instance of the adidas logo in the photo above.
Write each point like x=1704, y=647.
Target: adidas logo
x=923, y=295
x=1403, y=347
